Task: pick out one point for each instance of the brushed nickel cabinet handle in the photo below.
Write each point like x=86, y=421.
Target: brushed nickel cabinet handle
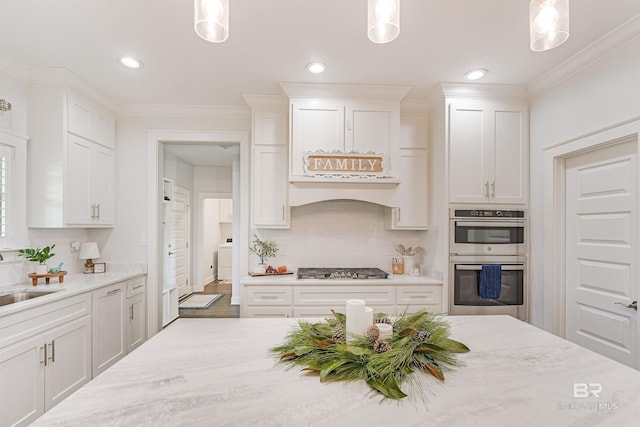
x=493, y=189
x=486, y=189
x=113, y=292
x=43, y=351
x=633, y=305
x=53, y=351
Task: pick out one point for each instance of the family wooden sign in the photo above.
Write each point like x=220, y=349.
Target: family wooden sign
x=345, y=164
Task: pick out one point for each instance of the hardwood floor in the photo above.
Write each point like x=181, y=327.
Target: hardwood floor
x=221, y=308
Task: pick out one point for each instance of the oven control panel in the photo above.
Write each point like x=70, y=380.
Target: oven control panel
x=482, y=213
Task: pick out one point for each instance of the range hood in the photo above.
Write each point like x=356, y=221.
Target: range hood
x=383, y=192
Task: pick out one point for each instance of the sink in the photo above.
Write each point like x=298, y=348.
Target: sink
x=22, y=295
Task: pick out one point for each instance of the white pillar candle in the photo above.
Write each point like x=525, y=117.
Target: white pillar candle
x=369, y=321
x=386, y=330
x=356, y=317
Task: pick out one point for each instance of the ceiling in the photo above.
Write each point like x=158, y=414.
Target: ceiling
x=272, y=41
x=205, y=154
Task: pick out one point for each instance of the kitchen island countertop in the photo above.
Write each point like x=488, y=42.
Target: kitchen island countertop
x=200, y=372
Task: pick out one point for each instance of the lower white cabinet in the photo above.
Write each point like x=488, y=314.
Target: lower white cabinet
x=304, y=300
x=225, y=262
x=136, y=313
x=42, y=365
x=108, y=326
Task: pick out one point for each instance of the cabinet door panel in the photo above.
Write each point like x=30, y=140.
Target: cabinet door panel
x=371, y=131
x=22, y=382
x=412, y=212
x=68, y=360
x=270, y=187
x=79, y=117
x=108, y=327
x=315, y=127
x=102, y=183
x=511, y=157
x=77, y=182
x=136, y=323
x=468, y=147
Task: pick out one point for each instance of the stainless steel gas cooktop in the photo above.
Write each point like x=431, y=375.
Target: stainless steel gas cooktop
x=341, y=273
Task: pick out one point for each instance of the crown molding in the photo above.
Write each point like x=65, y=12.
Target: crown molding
x=334, y=90
x=183, y=111
x=62, y=76
x=266, y=101
x=602, y=47
x=13, y=68
x=484, y=91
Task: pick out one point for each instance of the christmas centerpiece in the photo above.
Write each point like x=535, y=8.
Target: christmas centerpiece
x=415, y=347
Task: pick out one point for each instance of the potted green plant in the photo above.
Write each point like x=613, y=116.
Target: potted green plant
x=264, y=249
x=40, y=256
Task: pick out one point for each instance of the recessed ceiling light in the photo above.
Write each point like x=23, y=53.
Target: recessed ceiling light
x=130, y=62
x=316, y=67
x=476, y=74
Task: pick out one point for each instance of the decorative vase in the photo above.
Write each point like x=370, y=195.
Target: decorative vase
x=260, y=268
x=42, y=269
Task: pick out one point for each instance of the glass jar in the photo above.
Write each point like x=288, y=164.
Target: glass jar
x=397, y=265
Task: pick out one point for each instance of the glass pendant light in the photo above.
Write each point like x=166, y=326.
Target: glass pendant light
x=383, y=24
x=211, y=19
x=548, y=23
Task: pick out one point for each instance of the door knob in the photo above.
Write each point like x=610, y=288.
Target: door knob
x=171, y=253
x=633, y=305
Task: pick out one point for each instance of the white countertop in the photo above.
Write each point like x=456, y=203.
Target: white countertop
x=292, y=279
x=201, y=372
x=73, y=284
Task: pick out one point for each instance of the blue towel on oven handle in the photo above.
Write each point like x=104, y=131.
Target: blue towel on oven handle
x=490, y=281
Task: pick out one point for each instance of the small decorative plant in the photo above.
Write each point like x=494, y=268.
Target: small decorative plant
x=264, y=249
x=37, y=255
x=410, y=251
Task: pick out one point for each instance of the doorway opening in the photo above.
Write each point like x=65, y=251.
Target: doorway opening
x=237, y=142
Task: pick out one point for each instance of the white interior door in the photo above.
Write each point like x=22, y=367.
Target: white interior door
x=177, y=249
x=601, y=251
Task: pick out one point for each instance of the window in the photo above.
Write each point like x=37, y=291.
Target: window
x=6, y=165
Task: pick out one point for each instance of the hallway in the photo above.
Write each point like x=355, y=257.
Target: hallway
x=219, y=309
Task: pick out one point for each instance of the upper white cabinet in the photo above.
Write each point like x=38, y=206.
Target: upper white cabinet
x=488, y=151
x=71, y=160
x=412, y=197
x=269, y=161
x=225, y=211
x=345, y=126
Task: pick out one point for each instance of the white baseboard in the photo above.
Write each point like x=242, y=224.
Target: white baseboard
x=235, y=300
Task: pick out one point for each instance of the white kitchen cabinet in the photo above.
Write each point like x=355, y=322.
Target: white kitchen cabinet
x=420, y=297
x=90, y=181
x=301, y=299
x=337, y=125
x=488, y=152
x=136, y=313
x=412, y=196
x=45, y=355
x=269, y=206
x=225, y=262
x=109, y=334
x=71, y=160
x=90, y=121
x=225, y=211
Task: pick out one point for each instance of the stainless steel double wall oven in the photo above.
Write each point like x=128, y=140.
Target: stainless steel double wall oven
x=484, y=236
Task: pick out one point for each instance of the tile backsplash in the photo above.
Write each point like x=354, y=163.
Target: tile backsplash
x=14, y=269
x=340, y=233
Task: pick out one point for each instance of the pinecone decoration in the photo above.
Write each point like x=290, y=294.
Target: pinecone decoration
x=381, y=346
x=383, y=320
x=338, y=333
x=372, y=333
x=422, y=336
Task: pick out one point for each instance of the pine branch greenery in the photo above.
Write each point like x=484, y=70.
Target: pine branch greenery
x=420, y=344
